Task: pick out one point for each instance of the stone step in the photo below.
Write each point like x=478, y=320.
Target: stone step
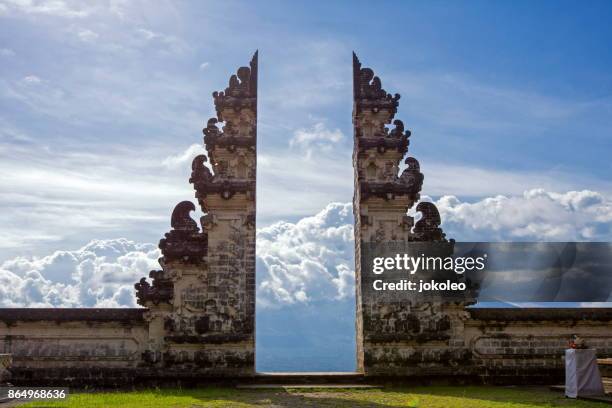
x=307, y=378
x=306, y=386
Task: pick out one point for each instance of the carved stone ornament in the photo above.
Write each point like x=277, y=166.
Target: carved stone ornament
x=368, y=92
x=184, y=242
x=199, y=172
x=241, y=92
x=412, y=176
x=428, y=227
x=214, y=137
x=162, y=289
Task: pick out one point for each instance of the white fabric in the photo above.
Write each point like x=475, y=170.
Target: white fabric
x=582, y=376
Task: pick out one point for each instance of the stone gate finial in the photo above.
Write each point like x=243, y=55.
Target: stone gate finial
x=181, y=220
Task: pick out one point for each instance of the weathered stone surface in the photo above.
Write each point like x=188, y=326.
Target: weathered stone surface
x=25, y=314
x=64, y=346
x=6, y=360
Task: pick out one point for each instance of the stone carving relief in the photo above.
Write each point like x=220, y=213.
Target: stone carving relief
x=428, y=227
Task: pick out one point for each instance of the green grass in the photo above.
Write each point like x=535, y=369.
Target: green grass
x=426, y=397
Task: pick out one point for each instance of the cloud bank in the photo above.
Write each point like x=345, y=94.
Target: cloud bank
x=100, y=274
x=309, y=261
x=536, y=215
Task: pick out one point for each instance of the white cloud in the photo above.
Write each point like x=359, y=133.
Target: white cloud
x=307, y=261
x=170, y=42
x=328, y=176
x=32, y=79
x=87, y=35
x=535, y=215
x=204, y=65
x=317, y=138
x=185, y=158
x=57, y=8
x=312, y=259
x=100, y=274
x=77, y=195
x=146, y=34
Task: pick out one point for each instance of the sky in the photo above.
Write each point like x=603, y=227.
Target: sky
x=102, y=106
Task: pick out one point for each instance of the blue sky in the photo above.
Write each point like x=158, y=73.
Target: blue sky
x=102, y=106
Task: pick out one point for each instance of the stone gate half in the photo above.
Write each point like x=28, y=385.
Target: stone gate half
x=415, y=338
x=201, y=304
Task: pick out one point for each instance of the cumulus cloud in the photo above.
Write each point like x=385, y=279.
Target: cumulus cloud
x=536, y=215
x=305, y=262
x=317, y=138
x=310, y=260
x=100, y=274
x=313, y=259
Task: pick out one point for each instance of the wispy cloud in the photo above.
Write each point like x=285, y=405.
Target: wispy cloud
x=185, y=158
x=318, y=138
x=87, y=35
x=50, y=196
x=56, y=8
x=31, y=79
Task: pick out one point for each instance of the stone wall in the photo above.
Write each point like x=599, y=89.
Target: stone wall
x=86, y=346
x=527, y=345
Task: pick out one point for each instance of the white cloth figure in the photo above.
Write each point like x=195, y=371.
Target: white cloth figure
x=581, y=373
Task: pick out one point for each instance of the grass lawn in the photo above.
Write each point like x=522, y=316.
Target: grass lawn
x=430, y=397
